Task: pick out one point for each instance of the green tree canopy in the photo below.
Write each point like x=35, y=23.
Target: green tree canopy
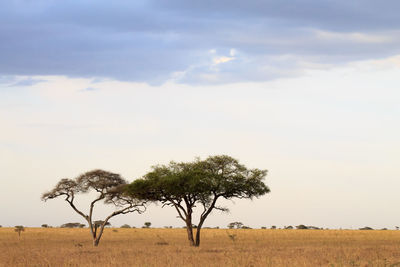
x=199, y=183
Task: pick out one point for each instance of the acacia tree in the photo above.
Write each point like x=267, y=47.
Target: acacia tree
x=110, y=188
x=199, y=183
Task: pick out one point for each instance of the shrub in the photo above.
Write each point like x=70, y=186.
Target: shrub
x=72, y=225
x=366, y=228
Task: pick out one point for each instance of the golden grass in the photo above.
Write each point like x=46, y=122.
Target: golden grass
x=143, y=247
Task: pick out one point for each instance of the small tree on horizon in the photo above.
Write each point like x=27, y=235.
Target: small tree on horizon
x=110, y=188
x=200, y=183
x=237, y=225
x=19, y=229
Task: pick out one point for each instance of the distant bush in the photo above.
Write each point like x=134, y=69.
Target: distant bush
x=72, y=225
x=263, y=227
x=100, y=222
x=304, y=227
x=314, y=228
x=366, y=228
x=45, y=225
x=288, y=227
x=125, y=226
x=301, y=227
x=273, y=227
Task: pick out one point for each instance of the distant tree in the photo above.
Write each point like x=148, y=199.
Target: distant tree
x=263, y=227
x=147, y=225
x=301, y=227
x=366, y=228
x=397, y=228
x=72, y=225
x=236, y=225
x=110, y=188
x=200, y=183
x=19, y=229
x=273, y=227
x=45, y=226
x=246, y=227
x=125, y=226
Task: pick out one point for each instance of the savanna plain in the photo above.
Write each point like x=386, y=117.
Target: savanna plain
x=219, y=247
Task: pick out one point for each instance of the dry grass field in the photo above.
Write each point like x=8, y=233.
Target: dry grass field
x=146, y=247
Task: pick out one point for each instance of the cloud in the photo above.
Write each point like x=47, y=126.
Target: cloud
x=7, y=80
x=152, y=41
x=89, y=89
x=27, y=82
x=354, y=37
x=222, y=59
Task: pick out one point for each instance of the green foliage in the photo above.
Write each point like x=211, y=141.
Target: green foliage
x=199, y=183
x=125, y=226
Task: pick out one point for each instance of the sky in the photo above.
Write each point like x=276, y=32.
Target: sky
x=308, y=90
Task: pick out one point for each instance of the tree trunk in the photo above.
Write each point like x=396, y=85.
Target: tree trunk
x=197, y=236
x=99, y=235
x=96, y=242
x=189, y=229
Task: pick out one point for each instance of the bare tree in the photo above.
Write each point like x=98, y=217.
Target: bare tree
x=110, y=188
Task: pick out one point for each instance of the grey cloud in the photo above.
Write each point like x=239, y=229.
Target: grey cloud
x=150, y=41
x=7, y=80
x=26, y=82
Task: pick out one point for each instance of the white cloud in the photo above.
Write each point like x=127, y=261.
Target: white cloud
x=353, y=37
x=222, y=59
